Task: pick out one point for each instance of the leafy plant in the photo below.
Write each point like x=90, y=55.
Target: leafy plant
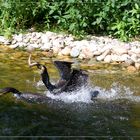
x=119, y=18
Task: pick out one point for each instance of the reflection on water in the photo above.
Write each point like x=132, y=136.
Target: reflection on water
x=115, y=112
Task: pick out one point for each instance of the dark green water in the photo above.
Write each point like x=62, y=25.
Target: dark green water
x=115, y=114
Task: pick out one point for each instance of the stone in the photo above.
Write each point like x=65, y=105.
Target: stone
x=60, y=36
x=26, y=40
x=127, y=46
x=38, y=35
x=74, y=52
x=18, y=38
x=136, y=50
x=13, y=46
x=84, y=43
x=102, y=49
x=107, y=59
x=46, y=47
x=93, y=43
x=60, y=54
x=134, y=57
x=44, y=38
x=114, y=57
x=56, y=50
x=33, y=34
x=130, y=52
x=96, y=53
x=33, y=40
x=131, y=69
x=39, y=45
x=21, y=44
x=128, y=62
x=13, y=42
x=68, y=41
x=78, y=45
x=30, y=49
x=35, y=46
x=99, y=58
x=119, y=50
x=137, y=66
x=87, y=52
x=124, y=57
x=92, y=46
x=58, y=43
x=102, y=56
x=50, y=34
x=7, y=42
x=135, y=44
x=138, y=60
x=39, y=41
x=82, y=56
x=66, y=51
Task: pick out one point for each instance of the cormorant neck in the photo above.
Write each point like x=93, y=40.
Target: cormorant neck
x=10, y=89
x=46, y=79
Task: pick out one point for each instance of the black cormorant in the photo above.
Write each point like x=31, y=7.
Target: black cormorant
x=70, y=79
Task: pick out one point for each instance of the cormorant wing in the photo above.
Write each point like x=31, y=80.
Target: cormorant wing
x=64, y=69
x=78, y=79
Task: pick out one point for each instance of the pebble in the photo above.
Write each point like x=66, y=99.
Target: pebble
x=74, y=52
x=30, y=49
x=18, y=38
x=137, y=66
x=56, y=50
x=131, y=69
x=114, y=57
x=66, y=51
x=119, y=50
x=13, y=46
x=82, y=56
x=102, y=57
x=124, y=57
x=87, y=52
x=46, y=47
x=107, y=59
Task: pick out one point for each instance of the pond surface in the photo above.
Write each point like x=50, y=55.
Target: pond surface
x=114, y=114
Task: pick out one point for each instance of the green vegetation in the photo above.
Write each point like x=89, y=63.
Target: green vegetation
x=119, y=18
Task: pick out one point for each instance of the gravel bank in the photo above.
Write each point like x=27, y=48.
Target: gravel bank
x=101, y=48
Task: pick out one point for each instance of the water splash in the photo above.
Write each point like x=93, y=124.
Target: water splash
x=80, y=95
x=117, y=92
x=84, y=94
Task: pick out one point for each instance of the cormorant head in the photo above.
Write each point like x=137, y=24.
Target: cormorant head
x=8, y=89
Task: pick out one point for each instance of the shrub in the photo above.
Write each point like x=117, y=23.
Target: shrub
x=119, y=18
